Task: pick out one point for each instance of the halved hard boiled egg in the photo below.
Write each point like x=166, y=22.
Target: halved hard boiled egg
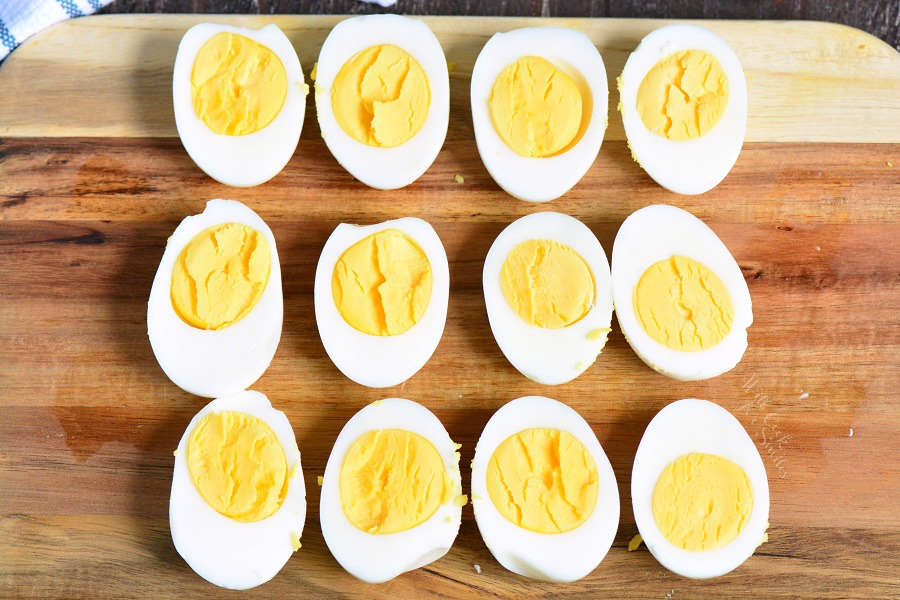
x=683, y=99
x=239, y=98
x=391, y=495
x=238, y=501
x=699, y=490
x=539, y=108
x=215, y=310
x=383, y=98
x=381, y=299
x=681, y=299
x=548, y=296
x=545, y=496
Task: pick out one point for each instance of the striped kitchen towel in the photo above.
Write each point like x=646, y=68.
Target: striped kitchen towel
x=20, y=19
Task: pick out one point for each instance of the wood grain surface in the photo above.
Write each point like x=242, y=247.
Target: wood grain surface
x=92, y=182
x=878, y=17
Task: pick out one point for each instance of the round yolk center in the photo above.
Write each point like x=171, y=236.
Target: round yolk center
x=380, y=97
x=702, y=501
x=682, y=304
x=220, y=275
x=381, y=285
x=547, y=284
x=238, y=465
x=392, y=480
x=543, y=480
x=238, y=86
x=536, y=108
x=683, y=96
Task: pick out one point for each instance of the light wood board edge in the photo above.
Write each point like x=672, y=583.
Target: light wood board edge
x=110, y=75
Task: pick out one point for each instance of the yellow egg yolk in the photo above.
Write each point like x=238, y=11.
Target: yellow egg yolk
x=683, y=305
x=702, y=501
x=536, y=109
x=238, y=86
x=381, y=285
x=547, y=284
x=238, y=465
x=381, y=97
x=220, y=275
x=543, y=480
x=683, y=96
x=392, y=480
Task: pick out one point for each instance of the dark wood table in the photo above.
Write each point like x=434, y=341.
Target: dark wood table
x=879, y=17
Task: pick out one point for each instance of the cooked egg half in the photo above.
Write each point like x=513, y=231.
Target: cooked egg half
x=239, y=99
x=539, y=108
x=383, y=98
x=215, y=310
x=680, y=297
x=547, y=291
x=545, y=496
x=381, y=299
x=699, y=490
x=238, y=501
x=683, y=99
x=391, y=495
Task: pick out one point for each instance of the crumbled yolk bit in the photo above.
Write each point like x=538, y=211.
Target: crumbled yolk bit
x=238, y=465
x=319, y=480
x=460, y=500
x=392, y=480
x=295, y=541
x=381, y=285
x=536, y=108
x=683, y=96
x=598, y=334
x=702, y=501
x=380, y=97
x=543, y=480
x=238, y=86
x=683, y=304
x=547, y=284
x=635, y=542
x=220, y=275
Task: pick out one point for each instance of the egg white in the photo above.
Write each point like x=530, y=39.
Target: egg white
x=560, y=557
x=214, y=363
x=373, y=360
x=244, y=160
x=230, y=553
x=571, y=51
x=681, y=428
x=548, y=356
x=378, y=558
x=690, y=166
x=384, y=168
x=657, y=232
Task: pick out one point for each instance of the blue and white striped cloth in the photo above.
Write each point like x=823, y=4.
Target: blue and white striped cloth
x=20, y=19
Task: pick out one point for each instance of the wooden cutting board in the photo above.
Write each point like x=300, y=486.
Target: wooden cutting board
x=93, y=180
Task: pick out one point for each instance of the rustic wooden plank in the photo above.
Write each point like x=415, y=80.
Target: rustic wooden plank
x=879, y=17
x=152, y=180
x=801, y=76
x=102, y=564
x=90, y=420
